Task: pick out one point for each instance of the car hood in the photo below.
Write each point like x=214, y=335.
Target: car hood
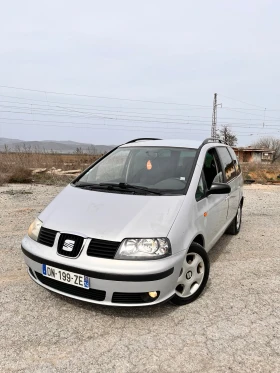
x=111, y=216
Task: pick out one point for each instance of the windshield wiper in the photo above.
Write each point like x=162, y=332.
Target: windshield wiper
x=103, y=186
x=130, y=186
x=89, y=186
x=119, y=186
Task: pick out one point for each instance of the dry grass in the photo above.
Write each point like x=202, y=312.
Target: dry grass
x=262, y=173
x=16, y=167
x=20, y=175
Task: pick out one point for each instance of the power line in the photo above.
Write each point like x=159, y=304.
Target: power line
x=243, y=102
x=137, y=108
x=61, y=108
x=243, y=108
x=169, y=119
x=67, y=109
x=37, y=107
x=259, y=115
x=119, y=117
x=116, y=119
x=139, y=129
x=99, y=97
x=125, y=126
x=112, y=107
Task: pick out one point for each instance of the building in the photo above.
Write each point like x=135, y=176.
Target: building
x=251, y=154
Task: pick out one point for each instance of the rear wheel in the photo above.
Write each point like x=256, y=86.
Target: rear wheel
x=193, y=275
x=235, y=225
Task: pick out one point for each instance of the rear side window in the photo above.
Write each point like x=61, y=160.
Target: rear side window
x=235, y=161
x=227, y=163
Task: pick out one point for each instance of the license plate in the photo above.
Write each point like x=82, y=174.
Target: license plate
x=66, y=276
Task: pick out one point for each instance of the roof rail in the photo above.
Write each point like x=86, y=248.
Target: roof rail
x=211, y=139
x=142, y=138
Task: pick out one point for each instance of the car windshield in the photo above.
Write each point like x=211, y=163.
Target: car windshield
x=154, y=168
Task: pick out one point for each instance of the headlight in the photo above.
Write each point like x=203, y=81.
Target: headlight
x=144, y=248
x=34, y=229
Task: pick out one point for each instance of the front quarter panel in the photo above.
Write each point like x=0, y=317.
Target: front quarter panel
x=189, y=222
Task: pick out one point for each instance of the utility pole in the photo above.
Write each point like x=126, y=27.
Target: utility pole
x=214, y=117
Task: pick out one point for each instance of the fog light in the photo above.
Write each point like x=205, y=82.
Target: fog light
x=153, y=294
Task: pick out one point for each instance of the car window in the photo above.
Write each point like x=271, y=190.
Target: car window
x=227, y=163
x=165, y=164
x=111, y=168
x=235, y=161
x=166, y=169
x=200, y=191
x=212, y=168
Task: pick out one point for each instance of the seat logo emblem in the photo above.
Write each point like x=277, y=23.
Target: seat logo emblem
x=68, y=245
x=189, y=275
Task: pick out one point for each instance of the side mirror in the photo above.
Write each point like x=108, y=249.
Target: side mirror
x=218, y=188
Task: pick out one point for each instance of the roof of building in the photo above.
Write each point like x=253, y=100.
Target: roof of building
x=253, y=149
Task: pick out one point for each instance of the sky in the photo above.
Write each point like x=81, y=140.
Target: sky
x=127, y=69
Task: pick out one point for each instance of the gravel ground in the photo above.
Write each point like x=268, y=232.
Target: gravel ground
x=233, y=327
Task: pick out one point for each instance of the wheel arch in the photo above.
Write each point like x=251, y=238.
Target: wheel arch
x=200, y=240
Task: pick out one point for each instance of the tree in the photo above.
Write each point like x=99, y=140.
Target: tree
x=78, y=150
x=226, y=135
x=91, y=150
x=271, y=143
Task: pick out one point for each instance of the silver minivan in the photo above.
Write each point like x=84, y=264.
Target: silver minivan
x=135, y=227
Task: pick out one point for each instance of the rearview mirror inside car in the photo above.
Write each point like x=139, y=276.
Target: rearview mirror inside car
x=219, y=188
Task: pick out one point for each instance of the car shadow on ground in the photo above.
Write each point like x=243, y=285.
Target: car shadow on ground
x=221, y=247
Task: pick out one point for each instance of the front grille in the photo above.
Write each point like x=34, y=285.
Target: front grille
x=102, y=248
x=132, y=298
x=46, y=236
x=74, y=243
x=92, y=294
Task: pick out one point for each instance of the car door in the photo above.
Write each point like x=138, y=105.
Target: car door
x=230, y=177
x=214, y=207
x=239, y=178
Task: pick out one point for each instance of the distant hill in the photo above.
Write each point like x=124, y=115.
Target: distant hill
x=4, y=141
x=55, y=146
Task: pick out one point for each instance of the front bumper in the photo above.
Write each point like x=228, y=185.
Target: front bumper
x=112, y=282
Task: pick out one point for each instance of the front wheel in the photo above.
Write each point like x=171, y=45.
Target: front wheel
x=235, y=225
x=193, y=276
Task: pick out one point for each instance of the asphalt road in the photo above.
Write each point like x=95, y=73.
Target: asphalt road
x=233, y=327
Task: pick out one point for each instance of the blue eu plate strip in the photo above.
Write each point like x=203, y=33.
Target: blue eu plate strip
x=44, y=268
x=86, y=282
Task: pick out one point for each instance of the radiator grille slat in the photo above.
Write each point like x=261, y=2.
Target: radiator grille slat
x=47, y=236
x=102, y=248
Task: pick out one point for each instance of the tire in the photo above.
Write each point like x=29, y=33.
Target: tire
x=193, y=276
x=235, y=225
